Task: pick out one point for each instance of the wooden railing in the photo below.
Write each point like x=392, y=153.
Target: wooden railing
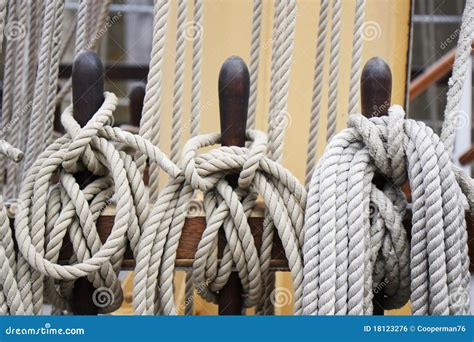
x=432, y=74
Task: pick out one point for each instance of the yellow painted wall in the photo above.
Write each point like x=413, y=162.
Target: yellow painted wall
x=227, y=31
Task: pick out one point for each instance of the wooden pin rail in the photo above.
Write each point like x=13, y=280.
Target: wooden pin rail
x=194, y=227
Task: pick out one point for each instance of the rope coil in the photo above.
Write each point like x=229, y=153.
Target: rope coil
x=347, y=255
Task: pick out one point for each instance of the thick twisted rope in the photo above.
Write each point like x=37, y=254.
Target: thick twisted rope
x=197, y=32
x=226, y=208
x=176, y=125
x=284, y=30
x=349, y=253
x=254, y=62
x=334, y=66
x=46, y=212
x=150, y=121
x=90, y=22
x=317, y=90
x=456, y=82
x=357, y=44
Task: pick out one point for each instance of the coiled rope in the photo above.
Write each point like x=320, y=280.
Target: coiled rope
x=354, y=241
x=47, y=212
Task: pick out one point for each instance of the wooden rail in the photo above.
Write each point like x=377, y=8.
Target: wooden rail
x=432, y=74
x=194, y=227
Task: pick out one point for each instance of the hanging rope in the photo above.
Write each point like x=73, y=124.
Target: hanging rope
x=196, y=36
x=317, y=89
x=456, y=82
x=334, y=66
x=254, y=62
x=150, y=121
x=337, y=251
x=284, y=30
x=356, y=56
x=87, y=33
x=176, y=125
x=42, y=109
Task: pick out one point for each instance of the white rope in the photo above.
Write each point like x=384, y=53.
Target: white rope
x=197, y=31
x=47, y=212
x=150, y=121
x=42, y=108
x=334, y=66
x=317, y=90
x=357, y=45
x=284, y=30
x=347, y=255
x=355, y=243
x=254, y=62
x=176, y=125
x=456, y=82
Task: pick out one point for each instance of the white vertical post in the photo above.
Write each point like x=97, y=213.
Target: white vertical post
x=462, y=141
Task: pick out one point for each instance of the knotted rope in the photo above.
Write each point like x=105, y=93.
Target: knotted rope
x=284, y=198
x=47, y=212
x=355, y=242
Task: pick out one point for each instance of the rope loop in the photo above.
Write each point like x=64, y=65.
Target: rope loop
x=80, y=147
x=203, y=171
x=355, y=244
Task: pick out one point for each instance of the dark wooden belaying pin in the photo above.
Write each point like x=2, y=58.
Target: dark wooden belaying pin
x=234, y=85
x=87, y=97
x=375, y=93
